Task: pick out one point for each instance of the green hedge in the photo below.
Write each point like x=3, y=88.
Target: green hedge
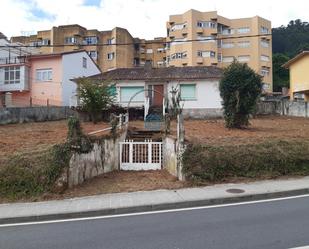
x=271, y=159
x=28, y=175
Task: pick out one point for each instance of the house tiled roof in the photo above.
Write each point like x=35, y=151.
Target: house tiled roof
x=168, y=73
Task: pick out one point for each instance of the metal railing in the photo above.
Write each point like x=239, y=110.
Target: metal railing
x=12, y=60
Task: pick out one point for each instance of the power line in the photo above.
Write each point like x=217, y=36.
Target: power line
x=135, y=43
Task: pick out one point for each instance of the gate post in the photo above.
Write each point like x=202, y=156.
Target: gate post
x=149, y=151
x=130, y=151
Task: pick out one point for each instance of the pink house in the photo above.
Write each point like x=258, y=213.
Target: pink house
x=43, y=79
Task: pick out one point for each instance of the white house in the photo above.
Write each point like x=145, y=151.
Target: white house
x=198, y=87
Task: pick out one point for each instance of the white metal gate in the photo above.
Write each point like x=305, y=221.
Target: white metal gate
x=140, y=155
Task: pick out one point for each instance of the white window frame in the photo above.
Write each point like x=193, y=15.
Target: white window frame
x=228, y=59
x=243, y=58
x=227, y=31
x=178, y=26
x=265, y=71
x=206, y=54
x=227, y=45
x=44, y=75
x=70, y=40
x=149, y=51
x=13, y=75
x=265, y=43
x=265, y=58
x=206, y=38
x=243, y=44
x=243, y=30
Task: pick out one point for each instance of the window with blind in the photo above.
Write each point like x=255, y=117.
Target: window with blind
x=188, y=92
x=126, y=93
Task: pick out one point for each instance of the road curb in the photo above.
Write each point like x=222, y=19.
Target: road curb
x=156, y=207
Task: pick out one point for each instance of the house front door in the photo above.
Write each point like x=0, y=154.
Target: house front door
x=158, y=95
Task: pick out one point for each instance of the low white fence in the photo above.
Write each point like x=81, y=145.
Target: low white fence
x=140, y=155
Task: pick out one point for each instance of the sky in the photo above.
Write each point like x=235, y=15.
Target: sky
x=142, y=18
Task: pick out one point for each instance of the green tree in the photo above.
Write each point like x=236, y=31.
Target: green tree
x=280, y=74
x=240, y=88
x=94, y=96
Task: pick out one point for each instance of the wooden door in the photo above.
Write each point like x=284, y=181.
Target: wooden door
x=158, y=95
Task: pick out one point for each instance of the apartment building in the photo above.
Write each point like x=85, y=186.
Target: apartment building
x=150, y=51
x=204, y=38
x=110, y=49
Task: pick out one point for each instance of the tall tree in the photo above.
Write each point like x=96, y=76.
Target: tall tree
x=240, y=88
x=280, y=74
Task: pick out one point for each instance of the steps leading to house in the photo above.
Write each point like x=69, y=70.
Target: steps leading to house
x=142, y=135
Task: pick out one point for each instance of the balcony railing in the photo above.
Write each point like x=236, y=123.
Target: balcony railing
x=12, y=60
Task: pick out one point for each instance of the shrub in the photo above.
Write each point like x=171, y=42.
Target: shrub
x=29, y=175
x=271, y=159
x=94, y=96
x=239, y=88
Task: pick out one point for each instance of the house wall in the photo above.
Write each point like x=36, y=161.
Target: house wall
x=207, y=103
x=51, y=90
x=72, y=67
x=299, y=77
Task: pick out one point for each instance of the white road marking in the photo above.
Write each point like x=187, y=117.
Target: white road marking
x=302, y=247
x=155, y=212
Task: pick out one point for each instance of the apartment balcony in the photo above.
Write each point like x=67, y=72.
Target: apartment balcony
x=199, y=30
x=14, y=78
x=184, y=31
x=16, y=87
x=12, y=60
x=184, y=61
x=199, y=60
x=266, y=64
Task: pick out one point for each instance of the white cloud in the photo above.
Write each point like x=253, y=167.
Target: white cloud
x=143, y=18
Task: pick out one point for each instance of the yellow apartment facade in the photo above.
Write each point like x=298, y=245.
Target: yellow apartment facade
x=204, y=38
x=299, y=76
x=110, y=49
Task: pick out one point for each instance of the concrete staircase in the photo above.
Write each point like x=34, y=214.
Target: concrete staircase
x=142, y=135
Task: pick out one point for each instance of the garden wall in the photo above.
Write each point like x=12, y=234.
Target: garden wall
x=172, y=157
x=103, y=158
x=283, y=107
x=13, y=115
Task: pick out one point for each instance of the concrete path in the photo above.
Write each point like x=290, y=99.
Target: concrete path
x=151, y=200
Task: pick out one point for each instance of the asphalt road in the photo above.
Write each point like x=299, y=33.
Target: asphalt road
x=278, y=224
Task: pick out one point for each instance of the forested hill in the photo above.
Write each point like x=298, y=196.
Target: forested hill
x=291, y=39
x=287, y=42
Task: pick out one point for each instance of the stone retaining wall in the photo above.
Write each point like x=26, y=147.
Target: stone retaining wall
x=13, y=115
x=103, y=158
